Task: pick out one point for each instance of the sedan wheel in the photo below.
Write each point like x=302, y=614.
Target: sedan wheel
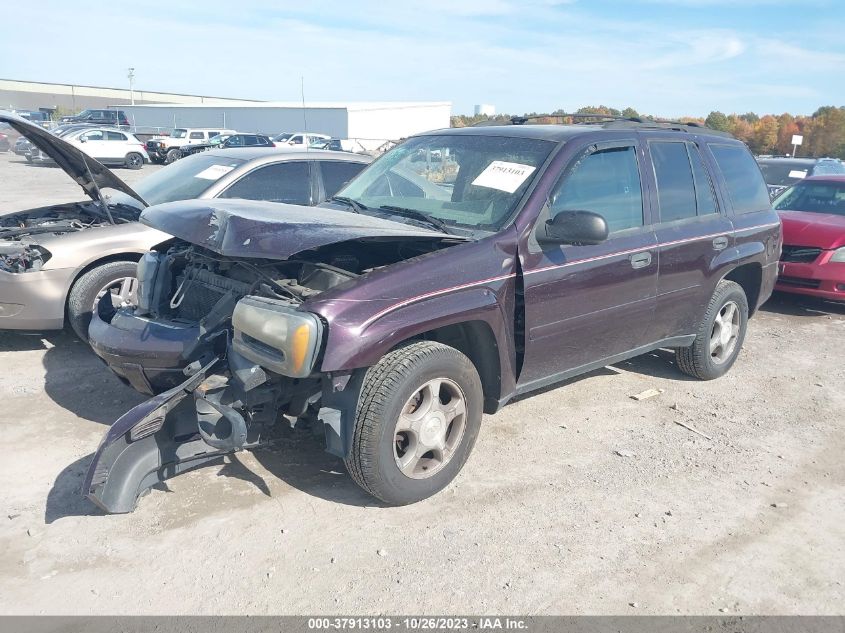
x=123, y=292
x=115, y=279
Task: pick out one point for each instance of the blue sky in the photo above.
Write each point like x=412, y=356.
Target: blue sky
x=663, y=57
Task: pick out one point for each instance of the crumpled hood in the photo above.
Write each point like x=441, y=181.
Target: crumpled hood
x=70, y=158
x=245, y=228
x=823, y=230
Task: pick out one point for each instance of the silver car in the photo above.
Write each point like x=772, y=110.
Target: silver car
x=57, y=261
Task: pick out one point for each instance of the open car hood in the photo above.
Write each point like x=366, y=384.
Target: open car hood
x=70, y=158
x=269, y=230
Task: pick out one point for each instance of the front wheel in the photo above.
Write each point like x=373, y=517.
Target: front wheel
x=418, y=417
x=113, y=279
x=172, y=156
x=720, y=334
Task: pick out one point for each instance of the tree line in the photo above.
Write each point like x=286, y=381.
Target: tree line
x=823, y=131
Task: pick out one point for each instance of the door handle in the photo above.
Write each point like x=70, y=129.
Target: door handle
x=720, y=243
x=640, y=260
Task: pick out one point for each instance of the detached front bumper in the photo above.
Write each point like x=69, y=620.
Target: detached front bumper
x=147, y=354
x=822, y=279
x=128, y=463
x=34, y=300
x=205, y=417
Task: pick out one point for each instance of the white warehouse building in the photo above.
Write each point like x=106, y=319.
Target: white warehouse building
x=372, y=123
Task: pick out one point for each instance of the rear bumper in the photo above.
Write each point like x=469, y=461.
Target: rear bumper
x=34, y=300
x=821, y=279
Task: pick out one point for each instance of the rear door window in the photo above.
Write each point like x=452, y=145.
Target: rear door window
x=675, y=185
x=288, y=182
x=743, y=180
x=115, y=136
x=606, y=182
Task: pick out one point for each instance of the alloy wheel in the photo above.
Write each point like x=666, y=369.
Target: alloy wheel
x=123, y=292
x=725, y=333
x=430, y=428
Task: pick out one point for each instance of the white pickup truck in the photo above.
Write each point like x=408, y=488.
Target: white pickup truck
x=167, y=149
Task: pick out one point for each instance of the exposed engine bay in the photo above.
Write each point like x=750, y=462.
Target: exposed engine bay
x=19, y=248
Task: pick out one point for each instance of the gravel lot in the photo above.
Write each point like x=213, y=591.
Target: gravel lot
x=576, y=500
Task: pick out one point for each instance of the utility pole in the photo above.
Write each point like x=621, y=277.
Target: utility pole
x=131, y=76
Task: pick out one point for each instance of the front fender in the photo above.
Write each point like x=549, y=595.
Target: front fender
x=351, y=347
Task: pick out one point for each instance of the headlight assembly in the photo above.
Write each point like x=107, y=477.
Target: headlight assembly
x=275, y=335
x=838, y=255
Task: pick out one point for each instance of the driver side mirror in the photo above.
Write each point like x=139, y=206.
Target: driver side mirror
x=83, y=140
x=573, y=227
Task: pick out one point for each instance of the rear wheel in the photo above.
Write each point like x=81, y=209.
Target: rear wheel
x=113, y=280
x=173, y=155
x=134, y=160
x=418, y=417
x=720, y=335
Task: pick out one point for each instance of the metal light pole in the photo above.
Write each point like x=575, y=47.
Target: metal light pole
x=131, y=77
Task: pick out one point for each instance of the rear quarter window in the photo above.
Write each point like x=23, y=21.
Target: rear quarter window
x=743, y=180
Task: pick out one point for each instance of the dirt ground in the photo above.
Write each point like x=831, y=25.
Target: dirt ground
x=576, y=500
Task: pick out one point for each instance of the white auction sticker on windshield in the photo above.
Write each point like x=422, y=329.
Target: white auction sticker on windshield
x=798, y=173
x=503, y=176
x=215, y=172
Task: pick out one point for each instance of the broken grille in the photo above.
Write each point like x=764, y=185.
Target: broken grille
x=799, y=254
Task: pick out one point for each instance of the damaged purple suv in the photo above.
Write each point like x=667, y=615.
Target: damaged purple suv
x=461, y=269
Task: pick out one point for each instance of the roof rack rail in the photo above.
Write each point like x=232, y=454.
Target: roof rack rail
x=611, y=121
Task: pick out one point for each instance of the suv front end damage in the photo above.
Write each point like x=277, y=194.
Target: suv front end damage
x=237, y=400
x=222, y=333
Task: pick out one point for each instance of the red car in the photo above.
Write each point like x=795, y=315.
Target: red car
x=813, y=258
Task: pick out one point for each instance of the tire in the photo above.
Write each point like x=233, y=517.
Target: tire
x=134, y=160
x=172, y=156
x=717, y=346
x=391, y=387
x=83, y=294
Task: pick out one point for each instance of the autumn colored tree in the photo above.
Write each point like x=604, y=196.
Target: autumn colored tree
x=764, y=135
x=823, y=132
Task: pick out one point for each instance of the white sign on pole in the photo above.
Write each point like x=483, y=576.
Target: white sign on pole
x=797, y=139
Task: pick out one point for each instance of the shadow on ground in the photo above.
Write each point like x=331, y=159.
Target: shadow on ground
x=800, y=305
x=65, y=497
x=78, y=381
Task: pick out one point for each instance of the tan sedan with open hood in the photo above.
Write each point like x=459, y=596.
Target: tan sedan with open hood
x=57, y=261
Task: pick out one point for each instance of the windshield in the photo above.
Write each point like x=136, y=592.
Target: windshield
x=185, y=179
x=218, y=138
x=282, y=137
x=815, y=197
x=783, y=173
x=179, y=133
x=474, y=182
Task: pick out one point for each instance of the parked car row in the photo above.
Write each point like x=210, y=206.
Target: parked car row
x=420, y=293
x=229, y=141
x=781, y=172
